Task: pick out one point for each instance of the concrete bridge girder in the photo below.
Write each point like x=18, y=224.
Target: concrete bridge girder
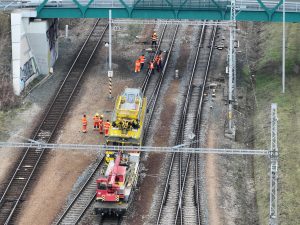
x=34, y=47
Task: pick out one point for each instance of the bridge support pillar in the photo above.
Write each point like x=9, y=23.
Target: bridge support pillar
x=34, y=47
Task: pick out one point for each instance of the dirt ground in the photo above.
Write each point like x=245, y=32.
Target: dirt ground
x=212, y=180
x=153, y=162
x=92, y=98
x=56, y=181
x=59, y=175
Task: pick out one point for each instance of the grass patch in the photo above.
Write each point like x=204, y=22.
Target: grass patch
x=9, y=117
x=268, y=90
x=7, y=97
x=271, y=43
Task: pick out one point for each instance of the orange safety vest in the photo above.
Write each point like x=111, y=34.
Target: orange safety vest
x=142, y=59
x=107, y=125
x=137, y=63
x=84, y=121
x=157, y=59
x=96, y=119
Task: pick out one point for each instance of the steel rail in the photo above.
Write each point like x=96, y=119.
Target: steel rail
x=180, y=128
x=110, y=221
x=82, y=189
x=147, y=77
x=154, y=93
x=197, y=131
x=197, y=125
x=153, y=99
x=46, y=135
x=46, y=115
x=180, y=137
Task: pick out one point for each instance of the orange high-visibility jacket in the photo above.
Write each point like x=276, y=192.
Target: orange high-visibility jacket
x=84, y=121
x=138, y=63
x=106, y=125
x=142, y=59
x=96, y=119
x=157, y=59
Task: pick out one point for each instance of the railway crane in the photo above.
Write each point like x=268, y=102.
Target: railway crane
x=115, y=186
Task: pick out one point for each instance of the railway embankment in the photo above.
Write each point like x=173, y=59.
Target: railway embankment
x=263, y=60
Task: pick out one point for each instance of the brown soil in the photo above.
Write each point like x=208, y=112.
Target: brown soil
x=63, y=167
x=144, y=197
x=212, y=180
x=17, y=127
x=92, y=98
x=144, y=200
x=58, y=177
x=7, y=97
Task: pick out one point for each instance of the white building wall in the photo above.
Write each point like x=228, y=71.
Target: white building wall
x=16, y=33
x=36, y=33
x=31, y=53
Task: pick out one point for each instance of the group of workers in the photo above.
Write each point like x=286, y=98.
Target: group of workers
x=139, y=63
x=157, y=62
x=99, y=124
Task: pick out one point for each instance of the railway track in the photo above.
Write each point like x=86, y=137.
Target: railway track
x=109, y=220
x=27, y=167
x=189, y=192
x=180, y=202
x=83, y=199
x=152, y=100
x=77, y=207
x=146, y=82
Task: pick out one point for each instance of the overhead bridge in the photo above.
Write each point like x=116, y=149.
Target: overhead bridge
x=247, y=10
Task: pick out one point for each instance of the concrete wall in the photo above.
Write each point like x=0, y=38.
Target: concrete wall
x=34, y=47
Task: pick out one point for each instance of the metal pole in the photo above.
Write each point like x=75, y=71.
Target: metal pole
x=283, y=48
x=234, y=61
x=110, y=42
x=110, y=72
x=67, y=31
x=231, y=66
x=110, y=87
x=273, y=219
x=107, y=67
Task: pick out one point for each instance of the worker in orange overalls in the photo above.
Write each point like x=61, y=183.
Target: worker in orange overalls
x=84, y=124
x=142, y=60
x=96, y=121
x=101, y=124
x=151, y=66
x=154, y=40
x=137, y=66
x=158, y=62
x=106, y=127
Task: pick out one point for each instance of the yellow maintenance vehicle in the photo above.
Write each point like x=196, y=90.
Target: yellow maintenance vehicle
x=128, y=118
